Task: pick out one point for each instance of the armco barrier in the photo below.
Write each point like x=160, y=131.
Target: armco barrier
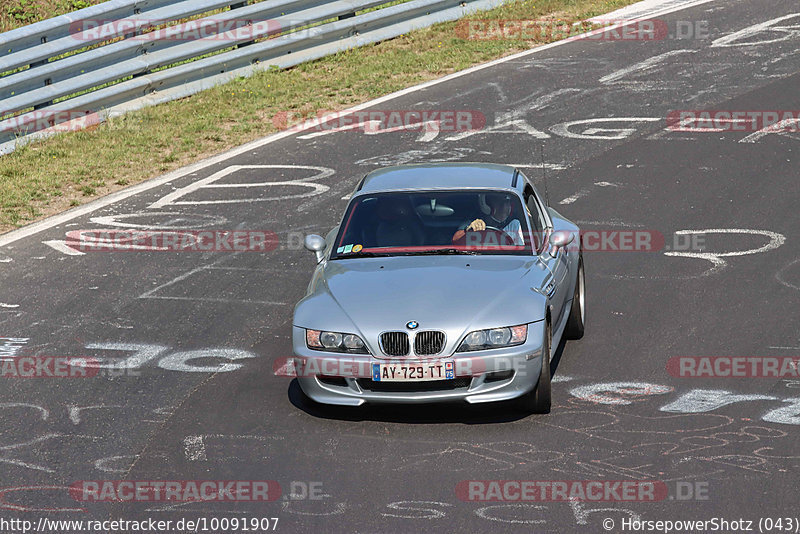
x=52, y=71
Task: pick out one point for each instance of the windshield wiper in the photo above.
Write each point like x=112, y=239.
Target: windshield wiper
x=441, y=251
x=433, y=252
x=361, y=255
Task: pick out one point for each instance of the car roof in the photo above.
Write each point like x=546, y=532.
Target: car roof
x=440, y=176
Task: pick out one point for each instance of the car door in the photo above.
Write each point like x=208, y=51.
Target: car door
x=555, y=285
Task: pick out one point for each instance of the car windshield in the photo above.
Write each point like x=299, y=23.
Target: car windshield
x=433, y=222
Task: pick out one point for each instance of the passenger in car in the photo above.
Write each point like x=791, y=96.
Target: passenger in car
x=397, y=223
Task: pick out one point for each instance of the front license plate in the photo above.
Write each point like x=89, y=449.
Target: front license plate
x=413, y=372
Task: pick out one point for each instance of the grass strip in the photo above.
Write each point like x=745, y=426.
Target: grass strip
x=49, y=176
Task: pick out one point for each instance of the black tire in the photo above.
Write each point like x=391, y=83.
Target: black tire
x=577, y=315
x=538, y=400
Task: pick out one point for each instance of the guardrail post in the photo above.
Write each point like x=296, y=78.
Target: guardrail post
x=136, y=11
x=46, y=82
x=42, y=62
x=236, y=6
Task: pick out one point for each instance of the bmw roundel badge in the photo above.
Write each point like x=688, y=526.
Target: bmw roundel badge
x=411, y=325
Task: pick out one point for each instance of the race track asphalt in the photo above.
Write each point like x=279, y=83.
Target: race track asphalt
x=598, y=109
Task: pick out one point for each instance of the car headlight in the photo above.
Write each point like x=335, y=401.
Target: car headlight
x=494, y=338
x=335, y=342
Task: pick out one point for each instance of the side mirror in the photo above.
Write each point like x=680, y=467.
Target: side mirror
x=559, y=240
x=315, y=244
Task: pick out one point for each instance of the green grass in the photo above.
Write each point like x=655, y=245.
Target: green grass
x=49, y=176
x=16, y=13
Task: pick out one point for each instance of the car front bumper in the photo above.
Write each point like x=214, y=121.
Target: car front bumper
x=480, y=376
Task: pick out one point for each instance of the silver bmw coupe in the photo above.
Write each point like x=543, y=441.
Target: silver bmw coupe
x=442, y=282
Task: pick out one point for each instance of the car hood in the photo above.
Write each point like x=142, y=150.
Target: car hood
x=455, y=294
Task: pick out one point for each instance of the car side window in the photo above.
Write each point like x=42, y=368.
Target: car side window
x=535, y=218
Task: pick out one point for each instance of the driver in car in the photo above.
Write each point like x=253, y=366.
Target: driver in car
x=499, y=217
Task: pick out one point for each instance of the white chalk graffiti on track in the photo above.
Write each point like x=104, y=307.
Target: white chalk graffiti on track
x=312, y=187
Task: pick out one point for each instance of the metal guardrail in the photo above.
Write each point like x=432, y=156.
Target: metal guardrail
x=80, y=68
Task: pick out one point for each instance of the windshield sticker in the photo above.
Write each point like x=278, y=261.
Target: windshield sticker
x=357, y=248
x=339, y=250
x=348, y=249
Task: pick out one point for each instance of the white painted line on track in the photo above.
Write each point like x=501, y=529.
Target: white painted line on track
x=120, y=220
x=61, y=246
x=718, y=263
x=502, y=127
x=640, y=10
x=781, y=127
x=610, y=223
x=780, y=276
x=617, y=134
x=150, y=294
x=645, y=65
x=572, y=198
x=208, y=183
x=184, y=276
x=194, y=448
x=744, y=36
x=775, y=239
x=553, y=166
x=43, y=412
x=368, y=125
x=228, y=301
x=583, y=192
x=50, y=222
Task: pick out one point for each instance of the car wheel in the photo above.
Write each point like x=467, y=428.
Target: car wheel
x=574, y=328
x=538, y=400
